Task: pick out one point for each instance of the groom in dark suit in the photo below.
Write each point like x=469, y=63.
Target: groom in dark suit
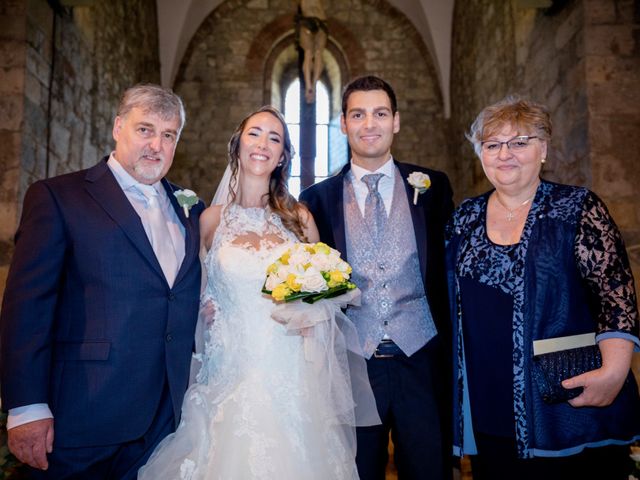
x=394, y=240
x=100, y=306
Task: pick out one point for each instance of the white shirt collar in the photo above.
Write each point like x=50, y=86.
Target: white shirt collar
x=388, y=169
x=124, y=179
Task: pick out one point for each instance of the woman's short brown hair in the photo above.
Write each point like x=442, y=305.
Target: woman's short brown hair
x=526, y=116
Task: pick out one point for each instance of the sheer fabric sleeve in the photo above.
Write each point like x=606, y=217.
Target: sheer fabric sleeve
x=603, y=263
x=206, y=317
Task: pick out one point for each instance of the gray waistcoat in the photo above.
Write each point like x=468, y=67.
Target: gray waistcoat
x=393, y=298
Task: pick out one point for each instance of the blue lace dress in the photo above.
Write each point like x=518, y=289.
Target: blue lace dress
x=500, y=304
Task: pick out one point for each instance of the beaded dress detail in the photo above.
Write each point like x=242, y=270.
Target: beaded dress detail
x=254, y=410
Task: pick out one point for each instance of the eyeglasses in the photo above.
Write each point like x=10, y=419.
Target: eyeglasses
x=516, y=144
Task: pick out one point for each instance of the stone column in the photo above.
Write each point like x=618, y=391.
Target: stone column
x=13, y=28
x=612, y=62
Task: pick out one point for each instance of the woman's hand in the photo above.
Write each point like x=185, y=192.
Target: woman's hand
x=601, y=386
x=208, y=312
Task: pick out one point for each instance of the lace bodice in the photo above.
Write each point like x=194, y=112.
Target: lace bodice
x=238, y=223
x=245, y=243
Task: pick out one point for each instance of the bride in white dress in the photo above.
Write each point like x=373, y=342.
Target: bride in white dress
x=255, y=410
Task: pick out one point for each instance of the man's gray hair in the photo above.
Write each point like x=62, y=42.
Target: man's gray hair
x=155, y=99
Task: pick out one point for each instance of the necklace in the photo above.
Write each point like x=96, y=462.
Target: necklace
x=511, y=211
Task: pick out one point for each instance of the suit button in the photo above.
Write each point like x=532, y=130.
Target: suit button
x=169, y=337
x=171, y=296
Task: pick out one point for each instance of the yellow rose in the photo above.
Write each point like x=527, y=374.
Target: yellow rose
x=335, y=278
x=323, y=248
x=280, y=292
x=292, y=284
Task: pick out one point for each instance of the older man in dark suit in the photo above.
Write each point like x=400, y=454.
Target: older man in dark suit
x=393, y=238
x=101, y=303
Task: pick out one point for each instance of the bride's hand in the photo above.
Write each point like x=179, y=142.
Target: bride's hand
x=208, y=312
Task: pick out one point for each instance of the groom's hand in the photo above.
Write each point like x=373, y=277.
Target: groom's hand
x=31, y=442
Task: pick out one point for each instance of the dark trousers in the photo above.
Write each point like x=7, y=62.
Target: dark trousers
x=410, y=395
x=110, y=462
x=497, y=460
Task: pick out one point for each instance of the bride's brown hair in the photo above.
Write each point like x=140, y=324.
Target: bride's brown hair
x=280, y=201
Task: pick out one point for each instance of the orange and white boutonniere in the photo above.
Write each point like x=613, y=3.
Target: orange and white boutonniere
x=420, y=183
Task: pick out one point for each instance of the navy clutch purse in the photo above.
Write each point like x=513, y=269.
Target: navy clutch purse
x=553, y=362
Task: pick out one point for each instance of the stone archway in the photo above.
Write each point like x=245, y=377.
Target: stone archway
x=225, y=74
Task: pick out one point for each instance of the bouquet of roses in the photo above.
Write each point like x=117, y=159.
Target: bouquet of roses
x=315, y=274
x=308, y=271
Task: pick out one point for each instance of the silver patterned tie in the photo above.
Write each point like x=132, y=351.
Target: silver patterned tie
x=374, y=213
x=159, y=235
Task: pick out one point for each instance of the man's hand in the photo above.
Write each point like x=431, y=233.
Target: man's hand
x=31, y=442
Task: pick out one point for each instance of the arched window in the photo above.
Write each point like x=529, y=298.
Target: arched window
x=292, y=116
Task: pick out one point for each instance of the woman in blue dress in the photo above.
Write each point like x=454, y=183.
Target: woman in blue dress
x=532, y=260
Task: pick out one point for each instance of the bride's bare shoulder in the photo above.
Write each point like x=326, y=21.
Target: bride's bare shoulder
x=209, y=221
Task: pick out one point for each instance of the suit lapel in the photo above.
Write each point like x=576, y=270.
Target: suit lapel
x=336, y=199
x=104, y=188
x=419, y=214
x=191, y=248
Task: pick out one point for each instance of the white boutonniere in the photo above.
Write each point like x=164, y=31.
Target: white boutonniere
x=420, y=183
x=186, y=199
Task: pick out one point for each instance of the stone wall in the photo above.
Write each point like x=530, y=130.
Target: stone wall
x=221, y=78
x=580, y=58
x=501, y=49
x=612, y=64
x=63, y=73
x=12, y=84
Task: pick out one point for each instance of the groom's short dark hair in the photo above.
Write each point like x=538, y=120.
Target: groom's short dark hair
x=366, y=84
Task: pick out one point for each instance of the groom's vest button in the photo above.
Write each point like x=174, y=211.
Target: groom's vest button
x=168, y=337
x=171, y=296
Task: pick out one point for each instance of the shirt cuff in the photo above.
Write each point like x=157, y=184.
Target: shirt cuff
x=27, y=414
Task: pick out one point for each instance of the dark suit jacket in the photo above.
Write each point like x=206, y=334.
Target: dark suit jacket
x=89, y=324
x=430, y=215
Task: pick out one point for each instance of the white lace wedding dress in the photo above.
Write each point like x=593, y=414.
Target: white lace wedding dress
x=255, y=411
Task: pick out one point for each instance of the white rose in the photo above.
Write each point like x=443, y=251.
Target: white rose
x=299, y=257
x=321, y=262
x=272, y=282
x=312, y=281
x=419, y=180
x=342, y=266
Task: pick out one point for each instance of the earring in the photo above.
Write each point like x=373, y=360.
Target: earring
x=279, y=164
x=543, y=160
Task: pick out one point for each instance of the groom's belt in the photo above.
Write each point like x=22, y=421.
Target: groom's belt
x=387, y=349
